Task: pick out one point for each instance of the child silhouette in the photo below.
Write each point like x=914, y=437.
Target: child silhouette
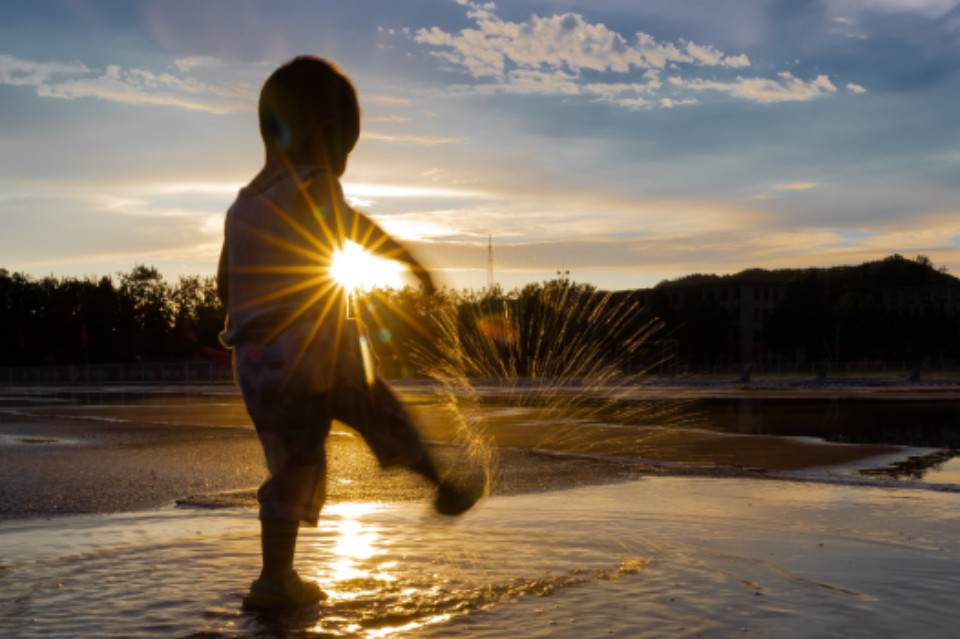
x=297, y=358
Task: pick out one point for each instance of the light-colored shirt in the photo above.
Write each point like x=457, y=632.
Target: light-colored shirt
x=279, y=239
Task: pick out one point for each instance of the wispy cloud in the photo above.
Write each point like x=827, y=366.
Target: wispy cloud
x=386, y=118
x=18, y=72
x=787, y=186
x=795, y=186
x=427, y=140
x=926, y=8
x=386, y=99
x=785, y=88
x=132, y=86
x=185, y=64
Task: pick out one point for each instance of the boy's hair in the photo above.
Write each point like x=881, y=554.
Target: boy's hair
x=303, y=95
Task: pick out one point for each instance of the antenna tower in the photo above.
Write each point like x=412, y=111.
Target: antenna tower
x=490, y=262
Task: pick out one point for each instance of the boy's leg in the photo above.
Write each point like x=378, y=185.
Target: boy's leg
x=378, y=415
x=291, y=426
x=279, y=586
x=278, y=543
x=380, y=418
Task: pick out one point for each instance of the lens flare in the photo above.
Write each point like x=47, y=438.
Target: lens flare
x=497, y=328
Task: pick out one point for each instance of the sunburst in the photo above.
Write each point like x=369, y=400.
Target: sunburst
x=317, y=276
x=357, y=270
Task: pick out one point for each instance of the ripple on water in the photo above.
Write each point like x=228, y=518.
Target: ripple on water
x=659, y=557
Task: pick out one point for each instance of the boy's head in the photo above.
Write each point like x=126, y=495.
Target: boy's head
x=309, y=113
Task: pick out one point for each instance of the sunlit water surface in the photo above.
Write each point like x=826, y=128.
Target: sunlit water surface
x=655, y=557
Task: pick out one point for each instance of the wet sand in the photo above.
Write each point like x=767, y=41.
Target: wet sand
x=99, y=457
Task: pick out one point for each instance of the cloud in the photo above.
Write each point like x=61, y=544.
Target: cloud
x=17, y=72
x=497, y=48
x=856, y=88
x=795, y=186
x=426, y=140
x=644, y=259
x=928, y=8
x=387, y=118
x=367, y=190
x=668, y=103
x=556, y=54
x=185, y=64
x=386, y=99
x=791, y=186
x=70, y=81
x=102, y=227
x=785, y=89
x=626, y=94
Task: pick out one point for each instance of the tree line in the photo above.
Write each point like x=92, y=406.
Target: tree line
x=138, y=317
x=557, y=328
x=553, y=329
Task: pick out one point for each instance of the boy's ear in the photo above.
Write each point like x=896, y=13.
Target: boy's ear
x=279, y=131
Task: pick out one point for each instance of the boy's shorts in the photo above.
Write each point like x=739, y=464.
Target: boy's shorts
x=292, y=410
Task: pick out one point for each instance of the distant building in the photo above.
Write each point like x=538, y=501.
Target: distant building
x=721, y=319
x=749, y=301
x=916, y=300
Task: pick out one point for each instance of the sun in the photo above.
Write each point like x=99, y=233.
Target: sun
x=355, y=269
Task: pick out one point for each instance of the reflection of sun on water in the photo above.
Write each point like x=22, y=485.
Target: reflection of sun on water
x=354, y=268
x=362, y=576
x=353, y=546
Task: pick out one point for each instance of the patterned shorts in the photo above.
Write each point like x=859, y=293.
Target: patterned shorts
x=292, y=404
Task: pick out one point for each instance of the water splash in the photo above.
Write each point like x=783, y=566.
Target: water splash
x=562, y=355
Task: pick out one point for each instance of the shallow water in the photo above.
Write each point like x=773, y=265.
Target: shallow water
x=656, y=557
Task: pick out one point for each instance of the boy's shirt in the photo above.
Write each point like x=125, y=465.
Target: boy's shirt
x=279, y=238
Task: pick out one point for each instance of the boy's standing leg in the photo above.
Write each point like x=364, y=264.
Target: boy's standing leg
x=292, y=427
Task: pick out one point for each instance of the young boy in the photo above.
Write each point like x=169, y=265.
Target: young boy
x=297, y=358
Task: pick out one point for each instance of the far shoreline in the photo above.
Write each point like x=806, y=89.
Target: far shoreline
x=931, y=384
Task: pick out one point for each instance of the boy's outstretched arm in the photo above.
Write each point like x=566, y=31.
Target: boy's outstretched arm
x=378, y=242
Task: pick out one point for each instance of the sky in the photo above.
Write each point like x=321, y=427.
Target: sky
x=622, y=142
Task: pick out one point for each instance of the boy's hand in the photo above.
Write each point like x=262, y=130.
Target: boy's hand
x=418, y=272
x=425, y=281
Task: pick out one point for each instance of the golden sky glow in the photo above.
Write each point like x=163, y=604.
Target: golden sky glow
x=619, y=142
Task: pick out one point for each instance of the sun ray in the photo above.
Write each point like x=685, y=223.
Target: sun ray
x=326, y=288
x=275, y=270
x=331, y=261
x=296, y=226
x=316, y=256
x=317, y=325
x=283, y=292
x=409, y=320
